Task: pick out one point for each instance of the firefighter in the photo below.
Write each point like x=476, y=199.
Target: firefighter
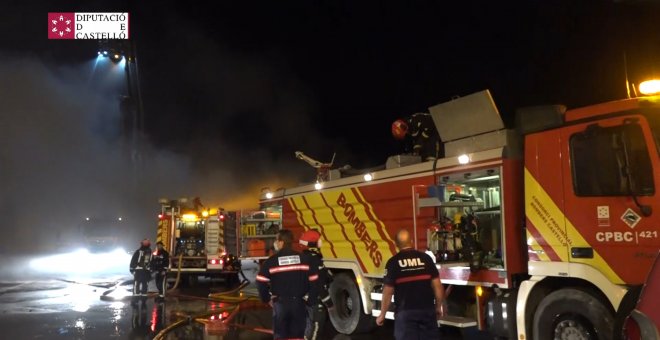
x=283, y=281
x=311, y=243
x=140, y=263
x=159, y=265
x=413, y=279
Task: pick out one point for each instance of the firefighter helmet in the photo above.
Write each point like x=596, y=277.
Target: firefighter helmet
x=399, y=129
x=310, y=239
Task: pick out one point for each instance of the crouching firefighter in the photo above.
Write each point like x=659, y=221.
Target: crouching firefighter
x=311, y=243
x=159, y=265
x=283, y=281
x=140, y=264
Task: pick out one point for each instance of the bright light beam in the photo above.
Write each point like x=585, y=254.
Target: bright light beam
x=83, y=262
x=99, y=57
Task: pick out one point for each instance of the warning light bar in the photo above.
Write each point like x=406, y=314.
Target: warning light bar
x=650, y=87
x=189, y=217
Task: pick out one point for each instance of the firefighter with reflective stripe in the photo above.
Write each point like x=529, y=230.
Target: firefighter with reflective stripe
x=140, y=264
x=283, y=281
x=413, y=278
x=160, y=263
x=311, y=243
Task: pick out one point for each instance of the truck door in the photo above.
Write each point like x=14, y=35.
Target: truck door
x=609, y=186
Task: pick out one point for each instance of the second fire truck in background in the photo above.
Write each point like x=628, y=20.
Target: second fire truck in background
x=197, y=239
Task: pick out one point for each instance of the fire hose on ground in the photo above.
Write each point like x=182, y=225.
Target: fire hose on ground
x=234, y=305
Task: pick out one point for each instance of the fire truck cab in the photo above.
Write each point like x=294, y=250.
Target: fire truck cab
x=538, y=232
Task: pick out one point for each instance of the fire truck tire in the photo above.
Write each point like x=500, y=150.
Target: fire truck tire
x=626, y=307
x=572, y=314
x=348, y=316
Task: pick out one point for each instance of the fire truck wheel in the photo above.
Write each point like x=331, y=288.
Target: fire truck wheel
x=626, y=307
x=348, y=316
x=572, y=314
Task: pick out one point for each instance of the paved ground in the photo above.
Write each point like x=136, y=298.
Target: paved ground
x=58, y=305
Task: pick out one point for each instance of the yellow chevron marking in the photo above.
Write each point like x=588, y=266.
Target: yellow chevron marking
x=373, y=251
x=162, y=235
x=532, y=243
x=302, y=213
x=332, y=231
x=548, y=218
x=352, y=215
x=221, y=236
x=371, y=208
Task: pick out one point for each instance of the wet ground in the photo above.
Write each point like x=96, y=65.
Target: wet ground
x=91, y=304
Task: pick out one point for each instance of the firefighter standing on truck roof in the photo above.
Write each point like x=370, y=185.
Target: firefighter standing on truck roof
x=290, y=276
x=140, y=263
x=159, y=265
x=311, y=242
x=414, y=280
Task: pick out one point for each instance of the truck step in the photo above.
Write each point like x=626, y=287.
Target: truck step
x=448, y=320
x=457, y=321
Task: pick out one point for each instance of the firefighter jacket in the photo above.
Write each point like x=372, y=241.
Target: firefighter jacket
x=141, y=259
x=160, y=260
x=325, y=276
x=288, y=274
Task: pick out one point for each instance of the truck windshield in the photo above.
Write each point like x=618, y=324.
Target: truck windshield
x=191, y=229
x=654, y=123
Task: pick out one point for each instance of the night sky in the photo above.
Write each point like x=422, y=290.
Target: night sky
x=332, y=76
x=231, y=90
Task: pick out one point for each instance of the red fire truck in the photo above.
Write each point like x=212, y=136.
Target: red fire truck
x=540, y=232
x=197, y=239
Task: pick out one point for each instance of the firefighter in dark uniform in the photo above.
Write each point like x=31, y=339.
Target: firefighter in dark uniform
x=412, y=277
x=283, y=281
x=140, y=265
x=159, y=265
x=311, y=243
x=426, y=141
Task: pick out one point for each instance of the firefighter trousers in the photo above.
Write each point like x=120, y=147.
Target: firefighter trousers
x=161, y=283
x=416, y=324
x=141, y=280
x=316, y=317
x=289, y=318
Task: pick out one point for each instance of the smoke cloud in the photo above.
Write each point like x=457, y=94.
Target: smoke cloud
x=63, y=158
x=64, y=155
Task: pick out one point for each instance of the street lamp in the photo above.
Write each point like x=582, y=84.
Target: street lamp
x=116, y=57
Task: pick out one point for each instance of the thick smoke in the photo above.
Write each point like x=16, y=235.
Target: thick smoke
x=64, y=157
x=238, y=114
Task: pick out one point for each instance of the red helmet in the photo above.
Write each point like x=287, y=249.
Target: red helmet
x=146, y=243
x=310, y=239
x=399, y=129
